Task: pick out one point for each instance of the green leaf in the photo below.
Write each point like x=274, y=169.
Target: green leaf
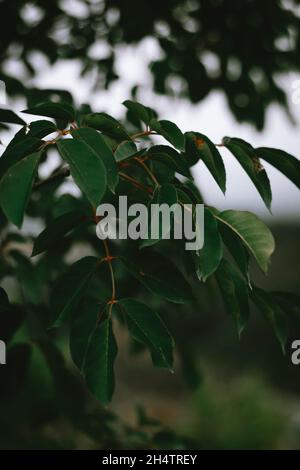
x=273, y=313
x=99, y=362
x=8, y=116
x=256, y=236
x=41, y=128
x=192, y=192
x=169, y=131
x=165, y=194
x=198, y=146
x=169, y=157
x=248, y=159
x=143, y=113
x=18, y=137
x=107, y=125
x=160, y=276
x=163, y=173
x=53, y=110
x=56, y=230
x=282, y=161
x=82, y=326
x=211, y=254
x=70, y=287
x=95, y=140
x=86, y=168
x=16, y=186
x=127, y=149
x=236, y=249
x=235, y=294
x=18, y=148
x=183, y=197
x=147, y=327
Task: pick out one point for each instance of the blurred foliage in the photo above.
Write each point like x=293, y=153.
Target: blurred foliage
x=241, y=414
x=239, y=48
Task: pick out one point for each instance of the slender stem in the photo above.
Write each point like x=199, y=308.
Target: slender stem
x=147, y=169
x=113, y=284
x=136, y=183
x=143, y=134
x=185, y=207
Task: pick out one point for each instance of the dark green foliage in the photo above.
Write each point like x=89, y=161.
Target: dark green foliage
x=248, y=159
x=86, y=168
x=147, y=327
x=130, y=284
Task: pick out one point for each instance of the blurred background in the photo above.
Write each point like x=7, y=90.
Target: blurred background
x=223, y=68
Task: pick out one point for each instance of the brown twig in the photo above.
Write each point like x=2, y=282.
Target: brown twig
x=136, y=183
x=109, y=259
x=147, y=169
x=143, y=134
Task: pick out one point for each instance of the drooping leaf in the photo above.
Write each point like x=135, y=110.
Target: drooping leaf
x=95, y=140
x=143, y=113
x=160, y=276
x=282, y=161
x=86, y=168
x=8, y=116
x=127, y=149
x=41, y=128
x=210, y=255
x=18, y=148
x=183, y=197
x=69, y=289
x=16, y=186
x=248, y=159
x=255, y=235
x=235, y=294
x=99, y=362
x=198, y=146
x=192, y=192
x=82, y=327
x=148, y=328
x=18, y=137
x=163, y=173
x=169, y=131
x=236, y=248
x=169, y=157
x=56, y=230
x=53, y=110
x=107, y=125
x=273, y=313
x=166, y=195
